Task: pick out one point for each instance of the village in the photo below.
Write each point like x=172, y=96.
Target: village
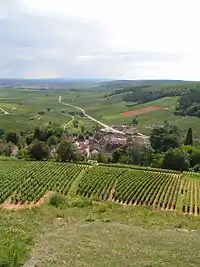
x=106, y=141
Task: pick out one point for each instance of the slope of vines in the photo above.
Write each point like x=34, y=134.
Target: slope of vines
x=131, y=186
x=29, y=181
x=189, y=195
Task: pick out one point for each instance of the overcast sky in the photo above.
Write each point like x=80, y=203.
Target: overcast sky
x=133, y=39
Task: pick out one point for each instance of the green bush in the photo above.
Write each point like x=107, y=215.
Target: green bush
x=57, y=200
x=80, y=202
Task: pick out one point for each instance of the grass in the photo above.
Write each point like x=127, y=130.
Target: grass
x=77, y=231
x=99, y=235
x=27, y=103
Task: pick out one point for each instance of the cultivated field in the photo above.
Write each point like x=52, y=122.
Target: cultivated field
x=24, y=105
x=140, y=111
x=26, y=183
x=136, y=233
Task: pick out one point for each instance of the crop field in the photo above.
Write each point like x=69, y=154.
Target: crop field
x=139, y=111
x=23, y=106
x=133, y=233
x=24, y=183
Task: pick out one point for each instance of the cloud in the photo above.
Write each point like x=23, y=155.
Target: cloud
x=32, y=44
x=117, y=39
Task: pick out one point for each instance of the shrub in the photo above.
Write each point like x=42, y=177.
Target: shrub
x=57, y=200
x=80, y=202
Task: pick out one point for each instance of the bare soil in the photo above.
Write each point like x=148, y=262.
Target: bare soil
x=141, y=111
x=110, y=198
x=10, y=206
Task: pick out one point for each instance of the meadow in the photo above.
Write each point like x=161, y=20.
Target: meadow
x=24, y=105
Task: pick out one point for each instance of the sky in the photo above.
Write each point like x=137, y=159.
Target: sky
x=117, y=39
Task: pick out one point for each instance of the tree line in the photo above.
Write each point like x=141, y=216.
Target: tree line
x=166, y=149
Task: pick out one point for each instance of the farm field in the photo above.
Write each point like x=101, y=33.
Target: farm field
x=141, y=111
x=26, y=183
x=24, y=105
x=93, y=218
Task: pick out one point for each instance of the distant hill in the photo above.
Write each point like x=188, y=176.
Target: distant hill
x=49, y=83
x=64, y=83
x=118, y=84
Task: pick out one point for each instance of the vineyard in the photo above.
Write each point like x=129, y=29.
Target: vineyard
x=161, y=190
x=27, y=182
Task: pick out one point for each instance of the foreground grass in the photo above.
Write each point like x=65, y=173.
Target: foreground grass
x=100, y=234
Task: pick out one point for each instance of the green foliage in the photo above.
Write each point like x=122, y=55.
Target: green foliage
x=157, y=160
x=194, y=154
x=13, y=137
x=149, y=92
x=176, y=159
x=52, y=140
x=29, y=138
x=57, y=200
x=30, y=181
x=101, y=157
x=38, y=151
x=79, y=202
x=135, y=121
x=66, y=151
x=163, y=137
x=135, y=154
x=2, y=133
x=196, y=168
x=116, y=155
x=189, y=104
x=189, y=138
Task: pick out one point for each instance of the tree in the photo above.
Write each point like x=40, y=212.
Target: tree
x=75, y=123
x=101, y=157
x=96, y=128
x=157, y=160
x=29, y=139
x=82, y=129
x=189, y=138
x=176, y=159
x=52, y=140
x=164, y=137
x=12, y=137
x=66, y=151
x=37, y=133
x=135, y=121
x=8, y=149
x=194, y=154
x=2, y=132
x=116, y=155
x=38, y=151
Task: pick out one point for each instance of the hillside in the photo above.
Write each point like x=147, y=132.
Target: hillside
x=67, y=230
x=104, y=105
x=161, y=189
x=119, y=84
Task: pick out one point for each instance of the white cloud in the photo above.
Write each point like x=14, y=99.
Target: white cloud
x=117, y=38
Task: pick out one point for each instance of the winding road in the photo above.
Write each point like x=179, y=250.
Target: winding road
x=107, y=127
x=4, y=111
x=91, y=118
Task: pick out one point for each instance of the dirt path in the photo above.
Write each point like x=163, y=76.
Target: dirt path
x=93, y=119
x=4, y=111
x=9, y=206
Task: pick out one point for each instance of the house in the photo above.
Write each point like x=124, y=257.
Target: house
x=82, y=146
x=95, y=147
